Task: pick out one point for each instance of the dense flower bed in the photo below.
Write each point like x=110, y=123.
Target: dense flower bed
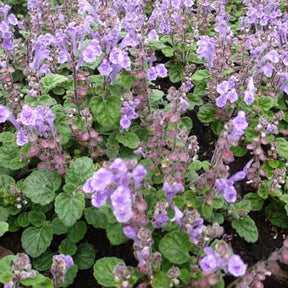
x=158, y=122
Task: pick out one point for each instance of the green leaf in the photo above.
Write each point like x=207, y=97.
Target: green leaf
x=22, y=219
x=41, y=185
x=36, y=218
x=70, y=276
x=104, y=270
x=168, y=51
x=175, y=246
x=79, y=171
x=185, y=276
x=201, y=76
x=35, y=240
x=39, y=281
x=282, y=148
x=160, y=280
x=115, y=234
x=69, y=207
x=246, y=228
x=263, y=192
x=4, y=227
x=58, y=227
x=10, y=157
x=43, y=262
x=7, y=137
x=194, y=100
x=51, y=81
x=186, y=122
x=266, y=103
x=128, y=139
x=67, y=247
x=6, y=277
x=96, y=218
x=77, y=231
x=106, y=112
x=277, y=215
x=176, y=73
x=5, y=265
x=85, y=256
x=255, y=200
x=207, y=113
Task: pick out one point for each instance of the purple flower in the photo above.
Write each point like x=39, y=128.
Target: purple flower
x=236, y=266
x=66, y=259
x=4, y=114
x=125, y=122
x=188, y=3
x=206, y=49
x=99, y=198
x=230, y=194
x=223, y=87
x=160, y=220
x=161, y=70
x=22, y=137
x=105, y=68
x=272, y=56
x=208, y=263
x=122, y=204
x=100, y=180
x=239, y=122
x=151, y=73
x=178, y=215
x=249, y=93
x=172, y=190
x=27, y=116
x=138, y=174
x=91, y=51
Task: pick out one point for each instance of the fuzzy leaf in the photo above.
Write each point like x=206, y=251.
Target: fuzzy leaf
x=246, y=228
x=51, y=81
x=128, y=139
x=85, y=256
x=175, y=246
x=35, y=240
x=69, y=207
x=106, y=112
x=160, y=280
x=41, y=185
x=79, y=171
x=104, y=271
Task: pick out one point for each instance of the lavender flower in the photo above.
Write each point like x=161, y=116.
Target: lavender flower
x=236, y=266
x=206, y=49
x=227, y=91
x=121, y=203
x=91, y=51
x=128, y=113
x=249, y=93
x=226, y=186
x=116, y=185
x=208, y=263
x=105, y=68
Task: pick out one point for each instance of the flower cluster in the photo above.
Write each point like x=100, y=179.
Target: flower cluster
x=5, y=22
x=21, y=269
x=116, y=184
x=206, y=49
x=227, y=91
x=61, y=264
x=226, y=187
x=31, y=121
x=220, y=259
x=158, y=71
x=128, y=113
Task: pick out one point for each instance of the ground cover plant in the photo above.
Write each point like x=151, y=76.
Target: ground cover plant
x=143, y=143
